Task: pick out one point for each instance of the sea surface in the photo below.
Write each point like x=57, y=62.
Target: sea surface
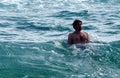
x=33, y=39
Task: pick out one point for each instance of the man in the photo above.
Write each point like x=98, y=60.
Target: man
x=78, y=36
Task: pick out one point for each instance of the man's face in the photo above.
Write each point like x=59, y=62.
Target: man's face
x=78, y=26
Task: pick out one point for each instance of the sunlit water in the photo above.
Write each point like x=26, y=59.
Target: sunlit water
x=33, y=39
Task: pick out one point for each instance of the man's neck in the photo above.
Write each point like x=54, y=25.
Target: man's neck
x=77, y=32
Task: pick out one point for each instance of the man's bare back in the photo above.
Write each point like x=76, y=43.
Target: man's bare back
x=74, y=38
x=78, y=36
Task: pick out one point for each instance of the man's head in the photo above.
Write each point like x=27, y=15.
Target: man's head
x=77, y=25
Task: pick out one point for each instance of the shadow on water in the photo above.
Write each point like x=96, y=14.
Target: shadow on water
x=68, y=14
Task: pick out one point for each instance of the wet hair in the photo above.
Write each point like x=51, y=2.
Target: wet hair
x=76, y=21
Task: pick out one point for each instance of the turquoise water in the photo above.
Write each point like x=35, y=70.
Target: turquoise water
x=33, y=39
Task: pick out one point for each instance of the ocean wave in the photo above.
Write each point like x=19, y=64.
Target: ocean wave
x=33, y=39
x=56, y=58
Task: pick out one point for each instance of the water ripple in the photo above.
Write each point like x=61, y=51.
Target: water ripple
x=71, y=14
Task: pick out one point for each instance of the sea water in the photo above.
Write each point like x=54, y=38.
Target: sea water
x=33, y=39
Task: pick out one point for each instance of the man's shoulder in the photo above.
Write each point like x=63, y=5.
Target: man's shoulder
x=84, y=32
x=71, y=34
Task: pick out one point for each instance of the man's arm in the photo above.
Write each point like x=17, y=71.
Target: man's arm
x=70, y=40
x=88, y=39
